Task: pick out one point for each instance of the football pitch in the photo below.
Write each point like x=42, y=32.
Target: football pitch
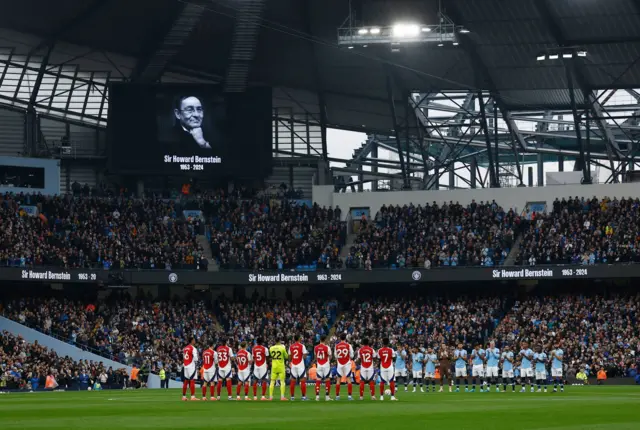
x=576, y=408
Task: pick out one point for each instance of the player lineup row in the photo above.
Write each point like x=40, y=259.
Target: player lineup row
x=252, y=364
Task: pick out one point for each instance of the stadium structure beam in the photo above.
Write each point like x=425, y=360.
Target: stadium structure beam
x=396, y=131
x=584, y=159
x=555, y=28
x=319, y=80
x=243, y=44
x=472, y=51
x=168, y=42
x=493, y=174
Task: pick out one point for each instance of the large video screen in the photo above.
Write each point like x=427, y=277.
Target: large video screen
x=189, y=130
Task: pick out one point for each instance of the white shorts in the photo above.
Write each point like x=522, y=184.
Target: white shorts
x=387, y=375
x=477, y=370
x=209, y=375
x=430, y=375
x=541, y=375
x=323, y=372
x=298, y=372
x=526, y=372
x=244, y=375
x=556, y=372
x=492, y=372
x=401, y=373
x=461, y=372
x=417, y=374
x=190, y=372
x=366, y=374
x=224, y=372
x=260, y=373
x=344, y=370
x=507, y=373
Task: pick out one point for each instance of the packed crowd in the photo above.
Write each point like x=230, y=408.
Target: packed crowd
x=30, y=366
x=479, y=234
x=268, y=234
x=596, y=331
x=150, y=333
x=422, y=321
x=584, y=231
x=105, y=232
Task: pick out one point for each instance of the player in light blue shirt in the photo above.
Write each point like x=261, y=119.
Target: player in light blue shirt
x=526, y=366
x=401, y=367
x=508, y=359
x=492, y=355
x=556, y=368
x=460, y=357
x=477, y=371
x=540, y=360
x=431, y=361
x=417, y=360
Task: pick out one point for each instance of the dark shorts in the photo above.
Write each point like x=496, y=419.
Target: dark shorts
x=445, y=368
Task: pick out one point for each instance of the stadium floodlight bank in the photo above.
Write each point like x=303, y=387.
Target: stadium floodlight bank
x=398, y=33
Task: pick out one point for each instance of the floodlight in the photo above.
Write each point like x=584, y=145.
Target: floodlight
x=406, y=30
x=363, y=31
x=567, y=55
x=464, y=30
x=541, y=57
x=553, y=56
x=582, y=53
x=375, y=30
x=426, y=29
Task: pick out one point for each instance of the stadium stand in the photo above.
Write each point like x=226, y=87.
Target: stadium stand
x=108, y=232
x=598, y=331
x=29, y=366
x=480, y=234
x=595, y=330
x=583, y=231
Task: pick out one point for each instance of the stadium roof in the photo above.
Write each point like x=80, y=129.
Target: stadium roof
x=296, y=46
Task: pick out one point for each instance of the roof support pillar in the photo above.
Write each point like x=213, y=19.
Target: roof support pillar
x=584, y=160
x=493, y=174
x=396, y=129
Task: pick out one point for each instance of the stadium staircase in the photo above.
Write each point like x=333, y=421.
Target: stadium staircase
x=344, y=252
x=204, y=243
x=513, y=253
x=529, y=209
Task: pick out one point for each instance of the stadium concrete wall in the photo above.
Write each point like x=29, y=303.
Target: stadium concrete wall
x=508, y=198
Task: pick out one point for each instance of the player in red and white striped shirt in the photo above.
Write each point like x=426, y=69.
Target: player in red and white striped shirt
x=260, y=354
x=344, y=355
x=243, y=361
x=322, y=353
x=189, y=360
x=366, y=355
x=297, y=355
x=386, y=354
x=209, y=361
x=225, y=356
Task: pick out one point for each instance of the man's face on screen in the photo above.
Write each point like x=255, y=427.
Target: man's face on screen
x=190, y=113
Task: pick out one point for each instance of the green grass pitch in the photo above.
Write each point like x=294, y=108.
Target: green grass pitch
x=577, y=408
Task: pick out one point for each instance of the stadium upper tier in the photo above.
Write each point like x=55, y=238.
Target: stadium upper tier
x=262, y=233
